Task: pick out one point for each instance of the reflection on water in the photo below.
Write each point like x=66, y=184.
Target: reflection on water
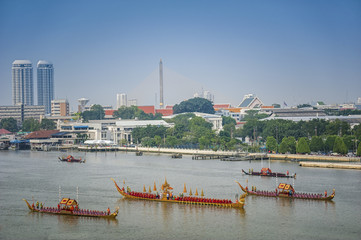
x=25, y=174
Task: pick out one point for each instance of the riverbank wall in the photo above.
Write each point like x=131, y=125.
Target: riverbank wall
x=331, y=165
x=287, y=157
x=317, y=158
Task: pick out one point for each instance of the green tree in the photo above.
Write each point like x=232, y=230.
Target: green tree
x=291, y=143
x=158, y=140
x=316, y=144
x=148, y=142
x=305, y=105
x=229, y=129
x=358, y=153
x=288, y=144
x=31, y=125
x=228, y=120
x=337, y=127
x=254, y=114
x=133, y=112
x=349, y=142
x=204, y=142
x=99, y=111
x=357, y=131
x=171, y=141
x=9, y=124
x=96, y=113
x=194, y=105
x=330, y=140
x=150, y=131
x=47, y=124
x=302, y=146
x=271, y=144
x=283, y=146
x=339, y=146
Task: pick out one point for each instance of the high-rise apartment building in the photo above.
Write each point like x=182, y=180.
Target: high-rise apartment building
x=60, y=107
x=121, y=100
x=22, y=89
x=45, y=76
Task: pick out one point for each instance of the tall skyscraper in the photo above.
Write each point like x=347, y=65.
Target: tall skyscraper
x=23, y=92
x=121, y=100
x=161, y=103
x=45, y=75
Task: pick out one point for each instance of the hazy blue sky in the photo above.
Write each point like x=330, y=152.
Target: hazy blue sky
x=292, y=51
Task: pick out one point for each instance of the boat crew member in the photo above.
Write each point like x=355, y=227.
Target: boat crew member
x=167, y=196
x=37, y=205
x=108, y=211
x=325, y=193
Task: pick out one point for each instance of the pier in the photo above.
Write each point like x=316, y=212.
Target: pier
x=331, y=165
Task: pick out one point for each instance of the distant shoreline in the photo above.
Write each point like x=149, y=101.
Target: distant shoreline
x=289, y=157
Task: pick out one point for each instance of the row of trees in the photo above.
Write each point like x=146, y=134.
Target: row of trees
x=29, y=125
x=188, y=131
x=279, y=129
x=304, y=145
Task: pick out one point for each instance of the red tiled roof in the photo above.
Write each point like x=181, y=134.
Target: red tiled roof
x=221, y=106
x=42, y=134
x=169, y=107
x=109, y=112
x=165, y=112
x=147, y=109
x=3, y=131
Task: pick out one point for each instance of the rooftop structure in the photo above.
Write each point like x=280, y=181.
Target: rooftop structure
x=82, y=103
x=147, y=109
x=250, y=101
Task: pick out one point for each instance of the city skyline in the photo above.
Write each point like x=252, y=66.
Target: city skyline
x=295, y=52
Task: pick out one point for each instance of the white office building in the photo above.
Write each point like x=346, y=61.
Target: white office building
x=121, y=100
x=22, y=78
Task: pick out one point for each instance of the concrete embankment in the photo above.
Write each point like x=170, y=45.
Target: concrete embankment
x=331, y=165
x=221, y=154
x=318, y=158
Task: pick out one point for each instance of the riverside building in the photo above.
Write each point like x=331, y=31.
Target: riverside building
x=21, y=112
x=45, y=84
x=59, y=107
x=22, y=79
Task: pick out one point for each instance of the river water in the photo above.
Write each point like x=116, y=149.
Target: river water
x=38, y=175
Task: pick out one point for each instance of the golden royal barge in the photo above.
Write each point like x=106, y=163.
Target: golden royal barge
x=71, y=207
x=166, y=195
